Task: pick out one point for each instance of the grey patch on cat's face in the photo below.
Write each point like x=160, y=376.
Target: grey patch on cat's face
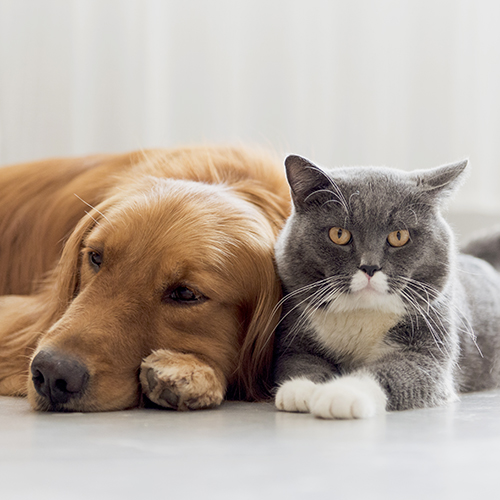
x=371, y=202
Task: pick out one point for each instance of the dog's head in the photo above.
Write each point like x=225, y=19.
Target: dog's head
x=166, y=264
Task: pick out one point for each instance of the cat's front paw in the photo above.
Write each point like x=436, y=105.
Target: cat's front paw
x=294, y=395
x=348, y=397
x=180, y=381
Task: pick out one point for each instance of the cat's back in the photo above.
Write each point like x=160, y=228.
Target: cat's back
x=478, y=306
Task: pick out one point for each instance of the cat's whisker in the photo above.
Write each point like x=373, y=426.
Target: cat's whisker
x=314, y=303
x=340, y=194
x=339, y=199
x=338, y=202
x=432, y=326
x=412, y=325
x=298, y=291
x=335, y=191
x=464, y=325
x=323, y=285
x=431, y=293
x=470, y=331
x=414, y=214
x=278, y=306
x=419, y=284
x=469, y=273
x=356, y=193
x=438, y=332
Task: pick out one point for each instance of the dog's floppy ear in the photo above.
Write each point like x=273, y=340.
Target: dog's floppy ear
x=33, y=314
x=65, y=280
x=261, y=315
x=254, y=377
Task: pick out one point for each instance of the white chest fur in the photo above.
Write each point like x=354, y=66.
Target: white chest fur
x=356, y=325
x=356, y=336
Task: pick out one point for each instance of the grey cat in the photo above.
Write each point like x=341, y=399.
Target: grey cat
x=380, y=312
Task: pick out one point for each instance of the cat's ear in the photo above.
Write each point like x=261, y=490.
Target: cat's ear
x=304, y=178
x=442, y=181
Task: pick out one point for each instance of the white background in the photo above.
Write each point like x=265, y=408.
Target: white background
x=403, y=83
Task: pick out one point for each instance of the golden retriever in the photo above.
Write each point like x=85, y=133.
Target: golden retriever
x=139, y=273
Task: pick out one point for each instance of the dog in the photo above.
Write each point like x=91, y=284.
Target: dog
x=142, y=276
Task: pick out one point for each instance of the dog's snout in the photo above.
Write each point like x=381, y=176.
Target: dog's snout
x=58, y=377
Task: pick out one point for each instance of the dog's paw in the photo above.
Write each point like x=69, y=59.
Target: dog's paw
x=180, y=381
x=294, y=395
x=352, y=396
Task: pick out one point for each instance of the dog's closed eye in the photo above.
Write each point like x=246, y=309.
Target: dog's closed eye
x=182, y=295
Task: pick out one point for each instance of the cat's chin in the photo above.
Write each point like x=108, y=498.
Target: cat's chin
x=368, y=299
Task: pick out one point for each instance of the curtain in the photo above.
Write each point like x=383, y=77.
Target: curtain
x=408, y=84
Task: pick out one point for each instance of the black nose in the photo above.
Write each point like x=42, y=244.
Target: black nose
x=370, y=270
x=58, y=377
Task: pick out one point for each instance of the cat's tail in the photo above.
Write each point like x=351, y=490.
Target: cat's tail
x=486, y=246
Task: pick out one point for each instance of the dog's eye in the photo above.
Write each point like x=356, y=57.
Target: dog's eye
x=95, y=259
x=182, y=295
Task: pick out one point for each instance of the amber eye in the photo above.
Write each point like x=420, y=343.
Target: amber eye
x=398, y=238
x=340, y=236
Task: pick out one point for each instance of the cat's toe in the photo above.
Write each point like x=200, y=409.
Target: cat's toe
x=354, y=396
x=342, y=403
x=294, y=395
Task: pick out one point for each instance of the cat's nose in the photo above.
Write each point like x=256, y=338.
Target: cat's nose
x=370, y=270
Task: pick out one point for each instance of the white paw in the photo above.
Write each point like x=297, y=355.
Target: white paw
x=295, y=395
x=352, y=396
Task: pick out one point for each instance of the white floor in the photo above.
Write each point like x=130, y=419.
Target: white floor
x=251, y=451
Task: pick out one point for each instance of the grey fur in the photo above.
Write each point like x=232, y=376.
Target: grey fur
x=446, y=341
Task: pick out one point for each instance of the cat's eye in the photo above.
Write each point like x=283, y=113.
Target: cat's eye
x=340, y=236
x=398, y=238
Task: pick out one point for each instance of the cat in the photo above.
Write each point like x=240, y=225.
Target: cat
x=380, y=311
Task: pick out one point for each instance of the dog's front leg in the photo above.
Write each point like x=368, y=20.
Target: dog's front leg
x=181, y=381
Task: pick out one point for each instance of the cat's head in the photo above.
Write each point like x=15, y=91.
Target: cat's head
x=366, y=237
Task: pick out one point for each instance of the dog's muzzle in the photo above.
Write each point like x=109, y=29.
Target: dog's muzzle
x=58, y=377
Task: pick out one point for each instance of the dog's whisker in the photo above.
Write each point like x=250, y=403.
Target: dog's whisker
x=92, y=207
x=93, y=218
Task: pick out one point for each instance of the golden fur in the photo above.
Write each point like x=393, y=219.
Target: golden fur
x=201, y=218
